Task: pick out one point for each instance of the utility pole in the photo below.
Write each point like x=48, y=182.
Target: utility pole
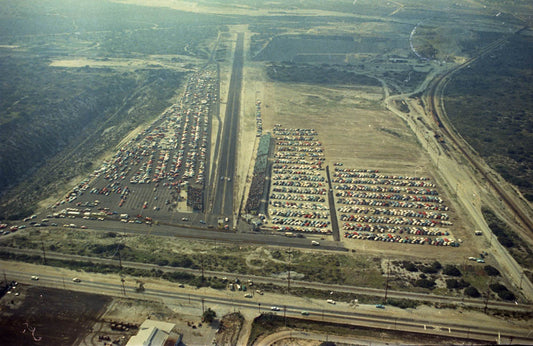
x=5, y=277
x=486, y=300
x=289, y=273
x=123, y=287
x=44, y=253
x=203, y=306
x=387, y=282
x=203, y=278
x=119, y=258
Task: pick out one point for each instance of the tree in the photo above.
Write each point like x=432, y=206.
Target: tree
x=209, y=315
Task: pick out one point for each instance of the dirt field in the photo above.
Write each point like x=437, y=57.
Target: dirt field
x=230, y=327
x=45, y=316
x=156, y=61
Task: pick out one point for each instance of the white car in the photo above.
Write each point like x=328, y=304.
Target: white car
x=274, y=308
x=34, y=277
x=76, y=280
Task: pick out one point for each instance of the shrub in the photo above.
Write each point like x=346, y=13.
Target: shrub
x=432, y=269
x=428, y=270
x=471, y=291
x=451, y=270
x=425, y=283
x=491, y=271
x=502, y=291
x=209, y=315
x=184, y=262
x=497, y=287
x=162, y=262
x=456, y=284
x=436, y=265
x=410, y=266
x=506, y=295
x=403, y=303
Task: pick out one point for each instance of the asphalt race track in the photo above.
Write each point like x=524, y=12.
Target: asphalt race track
x=223, y=199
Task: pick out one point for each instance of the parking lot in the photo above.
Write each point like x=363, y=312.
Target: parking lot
x=370, y=205
x=298, y=192
x=391, y=208
x=162, y=170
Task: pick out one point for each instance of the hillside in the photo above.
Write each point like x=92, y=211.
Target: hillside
x=76, y=77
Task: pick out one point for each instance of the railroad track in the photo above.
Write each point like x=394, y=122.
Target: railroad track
x=282, y=282
x=435, y=109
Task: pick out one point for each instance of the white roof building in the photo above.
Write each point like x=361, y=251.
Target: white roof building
x=155, y=333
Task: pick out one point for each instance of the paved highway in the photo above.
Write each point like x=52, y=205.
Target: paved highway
x=223, y=198
x=336, y=314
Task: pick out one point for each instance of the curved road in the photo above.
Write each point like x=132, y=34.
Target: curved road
x=436, y=109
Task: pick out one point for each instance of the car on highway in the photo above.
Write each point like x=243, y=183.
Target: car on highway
x=34, y=277
x=380, y=306
x=315, y=243
x=275, y=308
x=331, y=301
x=305, y=313
x=76, y=280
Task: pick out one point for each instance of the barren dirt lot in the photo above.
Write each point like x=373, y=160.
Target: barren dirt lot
x=351, y=122
x=45, y=316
